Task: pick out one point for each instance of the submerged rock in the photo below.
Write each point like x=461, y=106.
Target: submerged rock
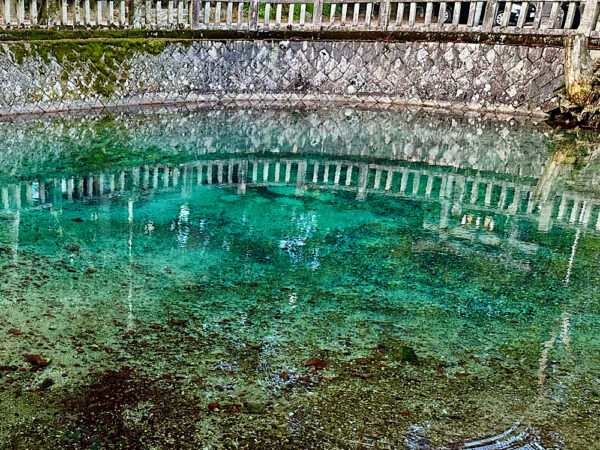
x=15, y=332
x=416, y=439
x=48, y=382
x=177, y=322
x=254, y=407
x=36, y=360
x=316, y=363
x=404, y=353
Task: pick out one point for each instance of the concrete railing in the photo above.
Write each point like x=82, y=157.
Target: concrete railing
x=549, y=17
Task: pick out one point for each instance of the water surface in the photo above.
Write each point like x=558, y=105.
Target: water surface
x=274, y=278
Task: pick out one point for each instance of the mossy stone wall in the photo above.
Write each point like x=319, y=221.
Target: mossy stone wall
x=66, y=74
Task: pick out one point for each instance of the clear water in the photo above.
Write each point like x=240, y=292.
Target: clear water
x=186, y=275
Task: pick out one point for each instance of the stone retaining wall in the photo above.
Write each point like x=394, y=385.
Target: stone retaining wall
x=67, y=75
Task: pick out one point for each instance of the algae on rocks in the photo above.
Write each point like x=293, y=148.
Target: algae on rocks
x=105, y=63
x=578, y=101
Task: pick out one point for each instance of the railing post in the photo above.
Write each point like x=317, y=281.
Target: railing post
x=490, y=14
x=7, y=12
x=148, y=13
x=589, y=19
x=99, y=15
x=111, y=13
x=137, y=14
x=253, y=15
x=317, y=14
x=21, y=12
x=579, y=69
x=52, y=12
x=195, y=22
x=122, y=18
x=87, y=15
x=385, y=9
x=34, y=12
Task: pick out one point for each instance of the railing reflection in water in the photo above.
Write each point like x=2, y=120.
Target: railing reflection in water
x=474, y=198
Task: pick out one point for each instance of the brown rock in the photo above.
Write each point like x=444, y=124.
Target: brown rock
x=177, y=322
x=36, y=360
x=15, y=332
x=316, y=363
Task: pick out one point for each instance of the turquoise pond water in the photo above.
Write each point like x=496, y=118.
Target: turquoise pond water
x=297, y=279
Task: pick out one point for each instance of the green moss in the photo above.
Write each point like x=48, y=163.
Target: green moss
x=101, y=60
x=19, y=52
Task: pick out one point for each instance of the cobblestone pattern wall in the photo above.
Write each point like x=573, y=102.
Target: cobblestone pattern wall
x=472, y=76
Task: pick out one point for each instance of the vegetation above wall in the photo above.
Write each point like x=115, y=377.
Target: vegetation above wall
x=108, y=49
x=333, y=35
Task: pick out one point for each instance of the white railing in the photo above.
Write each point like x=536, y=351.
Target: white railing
x=552, y=17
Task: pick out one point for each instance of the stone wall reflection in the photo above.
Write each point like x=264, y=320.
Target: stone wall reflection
x=475, y=143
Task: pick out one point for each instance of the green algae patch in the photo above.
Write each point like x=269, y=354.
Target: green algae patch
x=225, y=34
x=105, y=63
x=110, y=51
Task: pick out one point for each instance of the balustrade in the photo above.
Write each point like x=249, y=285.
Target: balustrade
x=542, y=17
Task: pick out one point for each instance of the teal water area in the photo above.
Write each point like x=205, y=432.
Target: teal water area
x=254, y=278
